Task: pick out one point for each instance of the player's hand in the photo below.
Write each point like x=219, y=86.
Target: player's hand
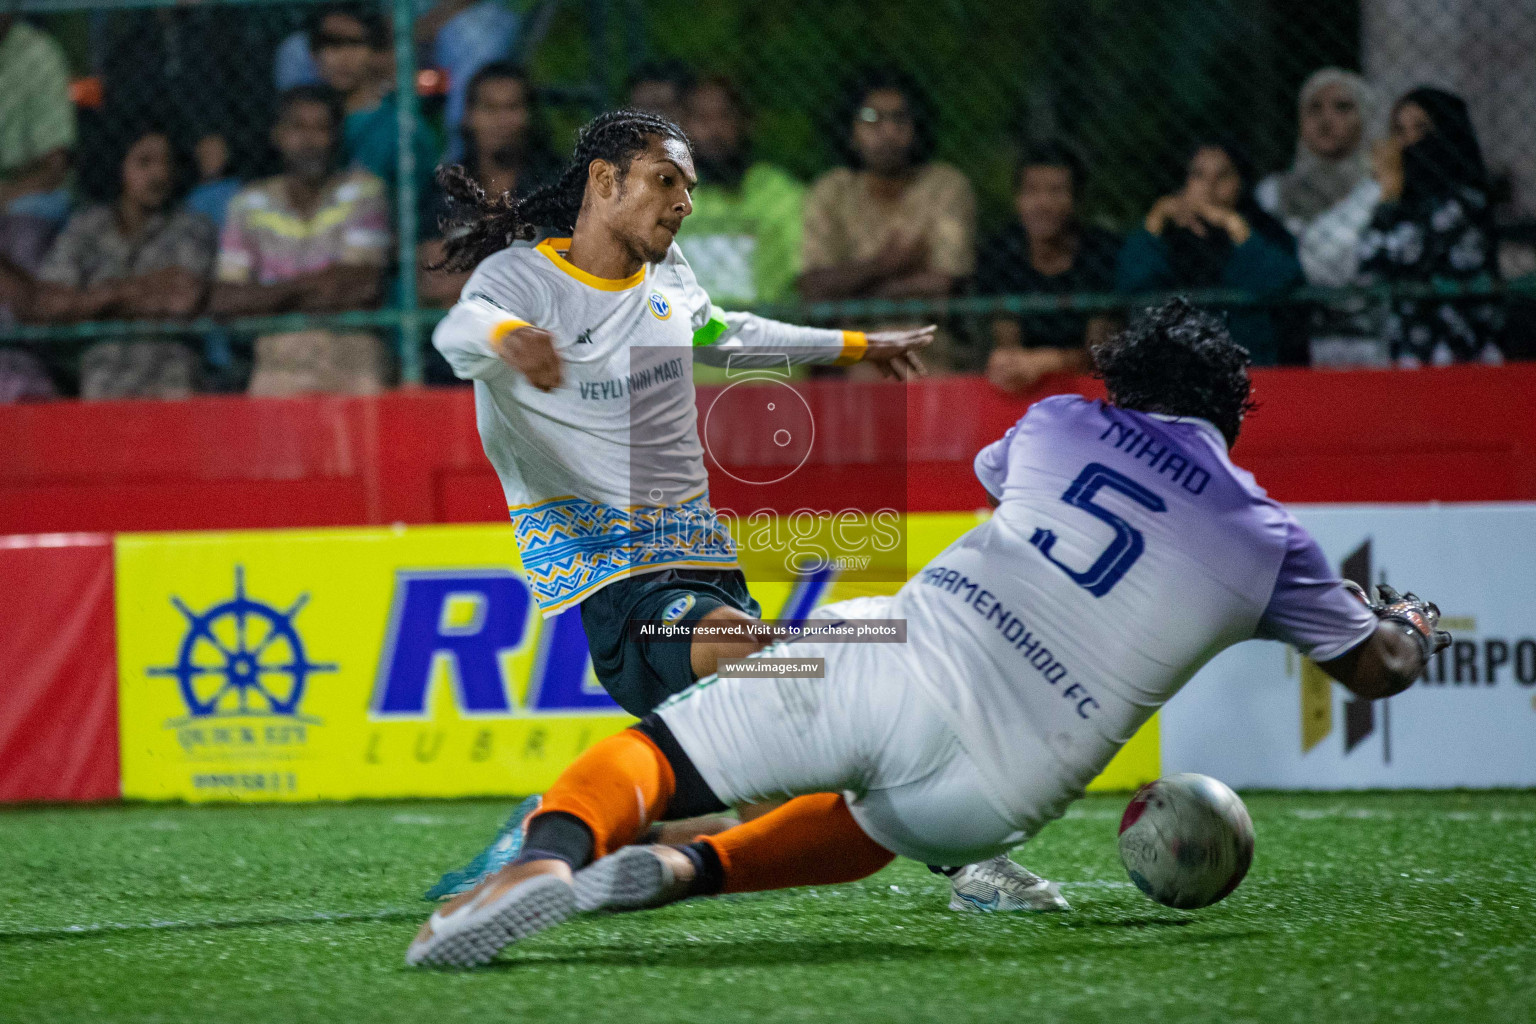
x=895, y=352
x=1421, y=617
x=531, y=352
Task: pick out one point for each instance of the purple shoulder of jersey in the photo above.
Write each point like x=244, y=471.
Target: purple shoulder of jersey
x=1308, y=607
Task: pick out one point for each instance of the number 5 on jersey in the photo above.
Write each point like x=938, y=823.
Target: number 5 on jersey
x=1116, y=560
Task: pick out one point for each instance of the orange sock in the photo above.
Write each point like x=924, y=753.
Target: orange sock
x=616, y=788
x=812, y=840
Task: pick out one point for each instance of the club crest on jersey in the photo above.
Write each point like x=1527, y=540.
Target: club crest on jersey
x=660, y=307
x=677, y=609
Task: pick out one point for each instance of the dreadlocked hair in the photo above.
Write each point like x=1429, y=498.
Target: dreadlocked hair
x=478, y=225
x=1178, y=360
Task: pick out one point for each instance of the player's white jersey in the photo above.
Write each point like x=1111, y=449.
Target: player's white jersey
x=604, y=476
x=1127, y=551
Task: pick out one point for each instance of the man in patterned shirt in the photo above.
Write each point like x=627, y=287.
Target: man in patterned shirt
x=311, y=240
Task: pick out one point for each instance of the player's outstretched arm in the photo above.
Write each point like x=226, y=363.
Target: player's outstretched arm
x=747, y=340
x=1388, y=662
x=531, y=352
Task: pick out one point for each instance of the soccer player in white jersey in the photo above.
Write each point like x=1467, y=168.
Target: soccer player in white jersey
x=581, y=350
x=1126, y=551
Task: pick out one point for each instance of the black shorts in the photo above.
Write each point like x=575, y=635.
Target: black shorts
x=640, y=674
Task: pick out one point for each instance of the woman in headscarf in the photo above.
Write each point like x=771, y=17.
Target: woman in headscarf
x=1326, y=199
x=1212, y=234
x=1434, y=223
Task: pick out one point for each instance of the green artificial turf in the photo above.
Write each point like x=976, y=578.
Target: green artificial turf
x=1390, y=907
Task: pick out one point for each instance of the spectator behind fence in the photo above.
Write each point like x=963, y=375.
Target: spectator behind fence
x=1325, y=200
x=661, y=87
x=23, y=375
x=140, y=256
x=506, y=150
x=1212, y=234
x=37, y=124
x=1046, y=250
x=1434, y=224
x=743, y=238
x=218, y=179
x=352, y=49
x=37, y=132
x=893, y=224
x=457, y=36
x=462, y=37
x=194, y=68
x=313, y=240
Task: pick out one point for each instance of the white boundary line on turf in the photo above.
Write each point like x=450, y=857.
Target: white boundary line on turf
x=318, y=917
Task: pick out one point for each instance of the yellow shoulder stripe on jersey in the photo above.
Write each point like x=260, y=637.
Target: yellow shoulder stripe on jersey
x=854, y=345
x=552, y=247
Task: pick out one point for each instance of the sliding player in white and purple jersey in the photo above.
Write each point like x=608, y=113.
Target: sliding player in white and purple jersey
x=1126, y=551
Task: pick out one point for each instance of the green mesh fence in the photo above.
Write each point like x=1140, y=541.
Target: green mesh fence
x=1027, y=174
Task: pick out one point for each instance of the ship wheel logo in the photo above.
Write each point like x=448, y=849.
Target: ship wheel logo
x=242, y=658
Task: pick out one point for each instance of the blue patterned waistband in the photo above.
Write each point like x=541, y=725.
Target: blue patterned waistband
x=571, y=547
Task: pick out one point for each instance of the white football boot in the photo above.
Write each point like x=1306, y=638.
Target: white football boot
x=516, y=902
x=1000, y=886
x=634, y=878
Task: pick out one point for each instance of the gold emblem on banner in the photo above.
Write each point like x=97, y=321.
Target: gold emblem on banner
x=1316, y=704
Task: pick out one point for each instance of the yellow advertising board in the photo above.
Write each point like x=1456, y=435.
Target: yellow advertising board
x=379, y=662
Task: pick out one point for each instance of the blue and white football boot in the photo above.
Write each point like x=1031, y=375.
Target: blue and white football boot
x=502, y=851
x=1000, y=886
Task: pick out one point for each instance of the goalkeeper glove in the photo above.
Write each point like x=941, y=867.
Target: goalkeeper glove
x=1419, y=617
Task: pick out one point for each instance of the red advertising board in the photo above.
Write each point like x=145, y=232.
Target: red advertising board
x=58, y=669
x=412, y=456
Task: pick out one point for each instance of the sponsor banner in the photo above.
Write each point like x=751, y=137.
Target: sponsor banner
x=296, y=665
x=1259, y=716
x=381, y=662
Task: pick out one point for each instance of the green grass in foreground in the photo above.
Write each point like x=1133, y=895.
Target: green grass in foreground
x=1405, y=907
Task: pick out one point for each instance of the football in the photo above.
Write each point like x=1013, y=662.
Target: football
x=1186, y=840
